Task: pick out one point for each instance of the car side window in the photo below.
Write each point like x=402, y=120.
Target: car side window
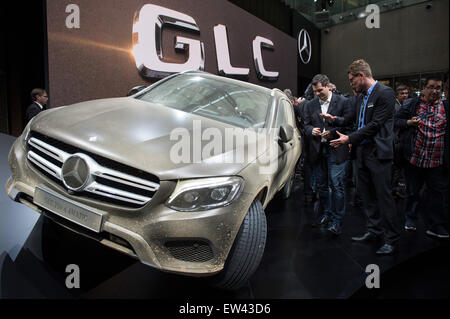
x=281, y=114
x=285, y=114
x=289, y=110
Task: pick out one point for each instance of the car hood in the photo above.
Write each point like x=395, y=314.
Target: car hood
x=149, y=136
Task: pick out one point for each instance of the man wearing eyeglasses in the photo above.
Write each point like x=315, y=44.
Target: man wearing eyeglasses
x=373, y=144
x=39, y=100
x=424, y=136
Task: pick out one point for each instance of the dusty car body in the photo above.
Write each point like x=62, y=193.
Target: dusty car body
x=111, y=170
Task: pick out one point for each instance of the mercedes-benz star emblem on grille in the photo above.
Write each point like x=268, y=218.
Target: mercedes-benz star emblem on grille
x=75, y=173
x=304, y=46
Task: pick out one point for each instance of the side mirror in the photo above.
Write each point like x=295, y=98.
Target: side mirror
x=286, y=133
x=136, y=89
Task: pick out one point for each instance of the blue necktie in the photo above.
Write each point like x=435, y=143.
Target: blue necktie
x=362, y=112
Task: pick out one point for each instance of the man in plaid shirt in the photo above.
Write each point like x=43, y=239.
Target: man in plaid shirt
x=424, y=137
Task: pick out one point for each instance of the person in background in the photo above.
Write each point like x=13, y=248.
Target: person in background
x=39, y=100
x=424, y=137
x=402, y=94
x=398, y=174
x=446, y=90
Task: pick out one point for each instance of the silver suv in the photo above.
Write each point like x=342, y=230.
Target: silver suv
x=176, y=175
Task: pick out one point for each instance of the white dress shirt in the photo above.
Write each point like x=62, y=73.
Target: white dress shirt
x=324, y=106
x=39, y=105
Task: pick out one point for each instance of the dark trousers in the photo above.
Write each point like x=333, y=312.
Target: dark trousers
x=330, y=185
x=374, y=185
x=436, y=180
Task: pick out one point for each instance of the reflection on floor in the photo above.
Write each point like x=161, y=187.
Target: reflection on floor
x=300, y=261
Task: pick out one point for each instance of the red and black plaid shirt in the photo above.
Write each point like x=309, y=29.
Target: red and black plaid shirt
x=429, y=139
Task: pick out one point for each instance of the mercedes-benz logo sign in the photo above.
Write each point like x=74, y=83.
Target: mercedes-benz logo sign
x=304, y=46
x=75, y=173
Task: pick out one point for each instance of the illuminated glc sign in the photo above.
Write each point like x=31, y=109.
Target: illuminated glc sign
x=148, y=53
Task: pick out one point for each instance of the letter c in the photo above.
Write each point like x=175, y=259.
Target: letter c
x=262, y=73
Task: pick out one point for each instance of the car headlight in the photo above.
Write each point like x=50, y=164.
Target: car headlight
x=205, y=193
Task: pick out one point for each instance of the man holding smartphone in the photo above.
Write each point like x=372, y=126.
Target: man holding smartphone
x=329, y=162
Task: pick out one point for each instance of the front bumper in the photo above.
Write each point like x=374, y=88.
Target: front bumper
x=190, y=243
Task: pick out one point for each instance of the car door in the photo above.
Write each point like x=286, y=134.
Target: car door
x=286, y=151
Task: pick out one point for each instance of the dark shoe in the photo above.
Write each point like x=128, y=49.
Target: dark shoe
x=410, y=225
x=440, y=233
x=366, y=237
x=335, y=229
x=386, y=249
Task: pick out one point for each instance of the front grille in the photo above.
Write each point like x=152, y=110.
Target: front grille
x=111, y=181
x=190, y=250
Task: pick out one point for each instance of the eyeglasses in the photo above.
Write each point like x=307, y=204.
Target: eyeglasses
x=434, y=88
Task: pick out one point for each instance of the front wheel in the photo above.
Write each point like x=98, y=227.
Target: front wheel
x=247, y=250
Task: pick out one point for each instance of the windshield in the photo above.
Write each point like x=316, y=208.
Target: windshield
x=238, y=105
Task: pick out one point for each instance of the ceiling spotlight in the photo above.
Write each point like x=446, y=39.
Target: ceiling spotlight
x=362, y=15
x=429, y=6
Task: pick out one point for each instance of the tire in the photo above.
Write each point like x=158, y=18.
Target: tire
x=247, y=250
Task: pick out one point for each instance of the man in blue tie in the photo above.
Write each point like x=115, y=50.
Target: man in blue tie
x=373, y=144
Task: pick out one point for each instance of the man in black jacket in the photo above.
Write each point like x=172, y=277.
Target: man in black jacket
x=424, y=139
x=39, y=100
x=373, y=144
x=329, y=163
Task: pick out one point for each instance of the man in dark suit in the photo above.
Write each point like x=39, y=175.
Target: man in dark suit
x=329, y=162
x=39, y=100
x=373, y=143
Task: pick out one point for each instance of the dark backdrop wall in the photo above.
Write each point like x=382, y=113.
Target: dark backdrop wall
x=410, y=40
x=306, y=71
x=22, y=60
x=95, y=61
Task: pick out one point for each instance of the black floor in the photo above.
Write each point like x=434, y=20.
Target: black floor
x=300, y=262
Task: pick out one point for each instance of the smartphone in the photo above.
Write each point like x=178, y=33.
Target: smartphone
x=423, y=116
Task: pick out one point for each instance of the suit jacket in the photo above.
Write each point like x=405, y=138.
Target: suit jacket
x=32, y=110
x=378, y=121
x=338, y=107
